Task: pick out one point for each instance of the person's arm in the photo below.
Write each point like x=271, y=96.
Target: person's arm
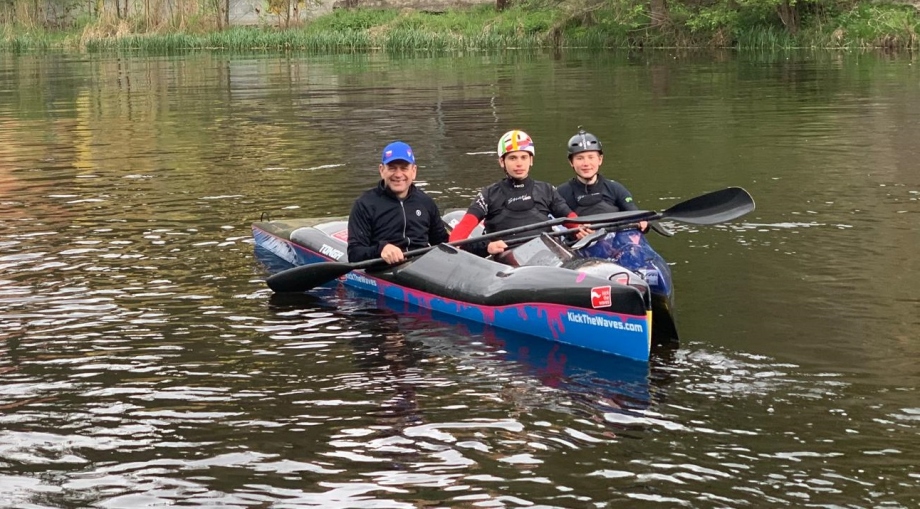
x=567, y=194
x=462, y=232
x=464, y=228
x=477, y=211
x=623, y=199
x=468, y=223
x=559, y=208
x=557, y=205
x=360, y=229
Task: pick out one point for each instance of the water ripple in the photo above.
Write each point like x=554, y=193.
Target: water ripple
x=143, y=362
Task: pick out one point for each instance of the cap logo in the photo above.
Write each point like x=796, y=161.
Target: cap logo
x=397, y=151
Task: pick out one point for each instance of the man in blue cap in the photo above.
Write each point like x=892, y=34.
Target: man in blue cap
x=395, y=216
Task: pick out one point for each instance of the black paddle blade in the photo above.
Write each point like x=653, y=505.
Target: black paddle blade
x=660, y=229
x=589, y=240
x=305, y=277
x=712, y=208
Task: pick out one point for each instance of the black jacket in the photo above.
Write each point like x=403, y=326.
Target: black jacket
x=601, y=197
x=510, y=203
x=379, y=218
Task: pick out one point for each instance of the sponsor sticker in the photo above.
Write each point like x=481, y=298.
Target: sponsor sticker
x=602, y=321
x=601, y=297
x=360, y=278
x=341, y=235
x=331, y=252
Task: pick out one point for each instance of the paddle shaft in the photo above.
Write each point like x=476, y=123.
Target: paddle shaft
x=305, y=277
x=610, y=227
x=612, y=218
x=710, y=208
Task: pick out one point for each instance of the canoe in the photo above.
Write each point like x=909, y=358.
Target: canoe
x=574, y=307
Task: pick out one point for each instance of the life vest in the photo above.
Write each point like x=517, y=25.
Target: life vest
x=590, y=202
x=512, y=204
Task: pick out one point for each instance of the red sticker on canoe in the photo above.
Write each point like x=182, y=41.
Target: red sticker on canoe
x=341, y=235
x=600, y=297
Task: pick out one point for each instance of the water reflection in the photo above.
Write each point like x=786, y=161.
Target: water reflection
x=421, y=431
x=143, y=362
x=600, y=380
x=680, y=392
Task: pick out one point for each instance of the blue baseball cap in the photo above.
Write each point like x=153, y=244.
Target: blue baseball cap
x=397, y=151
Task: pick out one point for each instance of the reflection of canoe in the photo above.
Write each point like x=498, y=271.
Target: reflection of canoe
x=628, y=249
x=622, y=383
x=544, y=301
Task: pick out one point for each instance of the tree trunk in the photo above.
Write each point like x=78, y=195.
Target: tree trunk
x=500, y=5
x=659, y=12
x=223, y=14
x=789, y=16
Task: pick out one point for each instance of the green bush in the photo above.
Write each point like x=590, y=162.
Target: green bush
x=874, y=24
x=344, y=20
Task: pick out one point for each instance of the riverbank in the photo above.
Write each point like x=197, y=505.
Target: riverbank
x=608, y=24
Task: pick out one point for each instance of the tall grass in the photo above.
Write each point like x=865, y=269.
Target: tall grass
x=18, y=39
x=765, y=38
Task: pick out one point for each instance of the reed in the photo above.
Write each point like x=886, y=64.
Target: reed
x=765, y=38
x=16, y=39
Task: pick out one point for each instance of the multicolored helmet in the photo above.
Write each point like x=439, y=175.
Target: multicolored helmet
x=513, y=141
x=584, y=142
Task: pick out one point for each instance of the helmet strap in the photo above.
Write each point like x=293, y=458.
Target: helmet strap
x=509, y=176
x=589, y=181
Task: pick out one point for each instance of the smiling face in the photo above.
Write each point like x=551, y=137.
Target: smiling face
x=517, y=164
x=586, y=164
x=398, y=176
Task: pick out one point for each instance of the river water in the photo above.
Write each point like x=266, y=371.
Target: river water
x=143, y=362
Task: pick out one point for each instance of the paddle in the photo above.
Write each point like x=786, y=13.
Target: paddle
x=305, y=277
x=591, y=238
x=660, y=229
x=710, y=208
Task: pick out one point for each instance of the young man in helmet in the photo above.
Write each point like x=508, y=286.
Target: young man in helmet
x=395, y=216
x=589, y=192
x=516, y=200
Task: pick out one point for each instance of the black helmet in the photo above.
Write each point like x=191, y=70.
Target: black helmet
x=584, y=142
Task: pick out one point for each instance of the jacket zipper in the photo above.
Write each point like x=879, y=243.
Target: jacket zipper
x=402, y=205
